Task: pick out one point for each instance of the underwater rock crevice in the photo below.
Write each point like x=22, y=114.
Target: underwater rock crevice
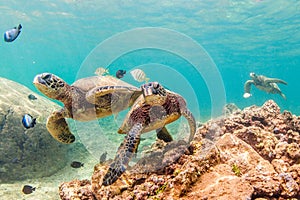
x=4, y=118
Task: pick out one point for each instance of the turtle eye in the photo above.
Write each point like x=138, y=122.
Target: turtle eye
x=155, y=85
x=47, y=77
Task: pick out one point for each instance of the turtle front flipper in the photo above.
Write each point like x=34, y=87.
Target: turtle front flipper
x=124, y=155
x=118, y=97
x=163, y=134
x=276, y=90
x=58, y=128
x=247, y=88
x=275, y=80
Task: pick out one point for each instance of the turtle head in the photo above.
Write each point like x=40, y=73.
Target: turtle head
x=154, y=93
x=253, y=75
x=50, y=85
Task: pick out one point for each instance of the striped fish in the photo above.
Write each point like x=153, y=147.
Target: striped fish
x=139, y=75
x=101, y=71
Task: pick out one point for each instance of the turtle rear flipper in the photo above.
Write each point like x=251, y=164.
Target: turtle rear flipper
x=59, y=129
x=124, y=154
x=275, y=80
x=163, y=134
x=283, y=96
x=274, y=89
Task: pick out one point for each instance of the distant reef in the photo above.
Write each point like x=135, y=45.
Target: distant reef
x=26, y=153
x=249, y=154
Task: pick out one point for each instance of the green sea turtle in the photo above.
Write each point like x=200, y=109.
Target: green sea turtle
x=152, y=110
x=86, y=99
x=266, y=84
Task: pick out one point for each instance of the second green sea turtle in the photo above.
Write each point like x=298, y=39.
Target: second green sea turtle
x=86, y=99
x=152, y=110
x=264, y=83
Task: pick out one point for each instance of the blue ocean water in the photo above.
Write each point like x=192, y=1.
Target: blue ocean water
x=239, y=37
x=203, y=50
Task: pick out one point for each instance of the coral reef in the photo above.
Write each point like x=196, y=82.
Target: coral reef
x=78, y=190
x=26, y=152
x=249, y=154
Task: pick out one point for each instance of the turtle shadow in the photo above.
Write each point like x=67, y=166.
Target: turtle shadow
x=157, y=159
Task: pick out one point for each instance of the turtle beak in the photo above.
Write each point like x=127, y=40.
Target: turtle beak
x=252, y=74
x=146, y=90
x=44, y=79
x=153, y=93
x=36, y=79
x=153, y=88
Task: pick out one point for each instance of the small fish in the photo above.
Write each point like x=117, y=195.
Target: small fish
x=120, y=73
x=103, y=157
x=28, y=121
x=27, y=189
x=101, y=71
x=12, y=34
x=76, y=164
x=139, y=75
x=31, y=97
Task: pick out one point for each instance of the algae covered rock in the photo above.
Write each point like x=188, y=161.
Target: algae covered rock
x=26, y=153
x=251, y=154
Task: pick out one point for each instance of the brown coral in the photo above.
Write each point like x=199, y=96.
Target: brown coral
x=252, y=154
x=76, y=190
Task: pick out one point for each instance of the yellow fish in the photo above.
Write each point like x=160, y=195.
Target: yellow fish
x=101, y=71
x=139, y=75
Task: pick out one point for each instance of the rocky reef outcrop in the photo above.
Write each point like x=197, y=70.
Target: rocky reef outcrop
x=26, y=153
x=250, y=154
